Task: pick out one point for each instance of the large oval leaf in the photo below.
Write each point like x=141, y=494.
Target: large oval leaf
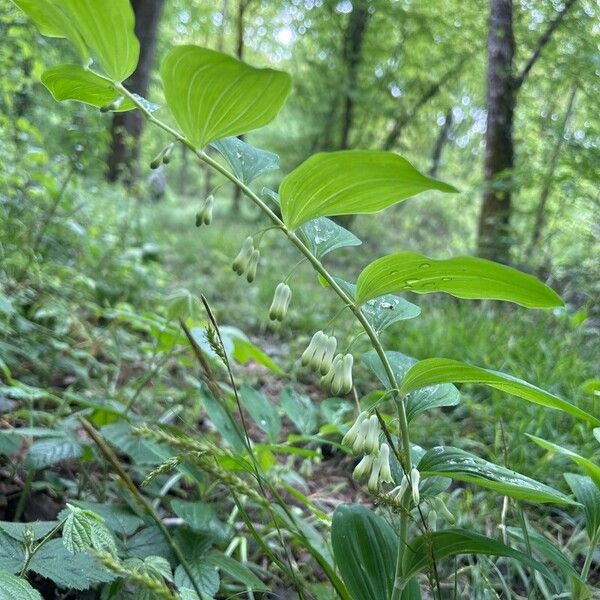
x=446, y=461
x=452, y=542
x=365, y=549
x=350, y=182
x=212, y=95
x=73, y=82
x=106, y=29
x=433, y=371
x=463, y=277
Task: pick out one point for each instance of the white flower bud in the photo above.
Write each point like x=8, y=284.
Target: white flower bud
x=328, y=354
x=309, y=353
x=207, y=210
x=444, y=512
x=280, y=302
x=371, y=445
x=374, y=478
x=359, y=443
x=328, y=380
x=402, y=489
x=346, y=373
x=352, y=434
x=252, y=266
x=363, y=467
x=432, y=520
x=415, y=478
x=384, y=459
x=240, y=262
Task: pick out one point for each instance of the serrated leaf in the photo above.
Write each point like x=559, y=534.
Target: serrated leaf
x=261, y=410
x=247, y=162
x=77, y=531
x=299, y=409
x=238, y=571
x=446, y=461
x=350, y=182
x=212, y=95
x=38, y=529
x=417, y=401
x=73, y=82
x=16, y=588
x=365, y=549
x=205, y=575
x=78, y=571
x=12, y=554
x=46, y=452
x=322, y=236
x=147, y=542
x=590, y=468
x=158, y=566
x=588, y=494
x=453, y=542
x=118, y=519
x=433, y=371
x=464, y=277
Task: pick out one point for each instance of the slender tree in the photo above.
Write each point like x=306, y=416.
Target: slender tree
x=127, y=127
x=503, y=86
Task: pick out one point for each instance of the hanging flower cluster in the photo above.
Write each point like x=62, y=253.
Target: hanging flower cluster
x=281, y=302
x=412, y=481
x=363, y=437
x=246, y=262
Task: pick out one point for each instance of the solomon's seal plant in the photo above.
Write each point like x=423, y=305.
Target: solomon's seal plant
x=240, y=99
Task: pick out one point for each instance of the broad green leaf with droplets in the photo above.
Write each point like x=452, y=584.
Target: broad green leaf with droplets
x=589, y=467
x=588, y=494
x=417, y=401
x=446, y=461
x=16, y=588
x=437, y=545
x=322, y=236
x=350, y=182
x=433, y=371
x=73, y=82
x=212, y=95
x=261, y=410
x=464, y=277
x=247, y=162
x=105, y=29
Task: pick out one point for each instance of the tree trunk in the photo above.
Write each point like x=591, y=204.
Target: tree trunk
x=494, y=220
x=440, y=142
x=126, y=129
x=353, y=41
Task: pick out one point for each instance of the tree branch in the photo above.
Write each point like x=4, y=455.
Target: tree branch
x=541, y=43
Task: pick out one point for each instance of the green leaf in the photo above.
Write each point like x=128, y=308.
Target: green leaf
x=433, y=371
x=38, y=529
x=52, y=21
x=158, y=566
x=77, y=531
x=78, y=571
x=419, y=400
x=205, y=575
x=104, y=32
x=118, y=519
x=212, y=95
x=12, y=554
x=46, y=452
x=588, y=494
x=247, y=162
x=237, y=571
x=16, y=588
x=463, y=277
x=446, y=461
x=322, y=236
x=73, y=82
x=350, y=182
x=201, y=516
x=299, y=409
x=223, y=421
x=590, y=468
x=147, y=542
x=452, y=542
x=365, y=548
x=263, y=413
x=244, y=351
